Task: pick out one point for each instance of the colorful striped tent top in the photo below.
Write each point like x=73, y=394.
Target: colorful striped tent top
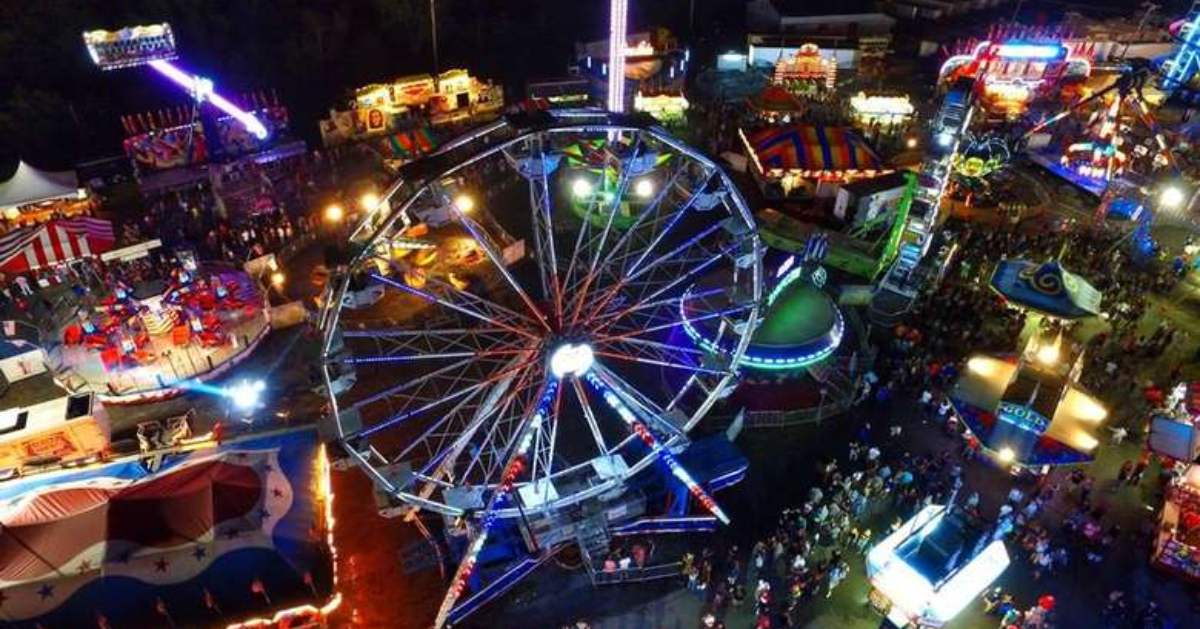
x=53, y=243
x=409, y=144
x=813, y=148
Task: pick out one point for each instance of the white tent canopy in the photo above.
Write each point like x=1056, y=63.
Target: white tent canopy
x=30, y=185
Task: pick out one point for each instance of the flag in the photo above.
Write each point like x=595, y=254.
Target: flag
x=210, y=601
x=257, y=587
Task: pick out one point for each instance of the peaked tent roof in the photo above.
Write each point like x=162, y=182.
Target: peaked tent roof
x=30, y=185
x=776, y=98
x=813, y=147
x=1047, y=288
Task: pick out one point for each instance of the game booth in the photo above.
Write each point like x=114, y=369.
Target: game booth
x=886, y=111
x=668, y=107
x=928, y=570
x=1177, y=546
x=806, y=72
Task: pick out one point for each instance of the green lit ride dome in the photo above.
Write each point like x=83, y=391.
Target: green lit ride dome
x=801, y=326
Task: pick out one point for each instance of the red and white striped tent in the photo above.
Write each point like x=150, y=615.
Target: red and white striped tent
x=53, y=243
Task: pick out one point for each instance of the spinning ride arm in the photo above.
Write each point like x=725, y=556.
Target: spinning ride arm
x=1129, y=85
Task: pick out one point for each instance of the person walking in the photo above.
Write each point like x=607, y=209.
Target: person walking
x=836, y=575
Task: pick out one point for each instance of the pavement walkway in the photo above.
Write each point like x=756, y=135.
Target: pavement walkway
x=1080, y=588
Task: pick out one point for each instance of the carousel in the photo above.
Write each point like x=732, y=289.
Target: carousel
x=155, y=339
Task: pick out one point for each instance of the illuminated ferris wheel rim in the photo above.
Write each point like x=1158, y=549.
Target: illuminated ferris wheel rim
x=525, y=126
x=424, y=177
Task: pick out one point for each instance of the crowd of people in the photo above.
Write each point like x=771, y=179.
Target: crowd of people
x=255, y=210
x=877, y=484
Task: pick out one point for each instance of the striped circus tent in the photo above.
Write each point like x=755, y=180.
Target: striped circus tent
x=813, y=149
x=53, y=243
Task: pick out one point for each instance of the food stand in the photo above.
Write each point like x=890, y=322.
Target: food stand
x=1177, y=547
x=33, y=196
x=67, y=429
x=933, y=566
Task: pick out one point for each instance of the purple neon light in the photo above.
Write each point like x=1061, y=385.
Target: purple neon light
x=202, y=89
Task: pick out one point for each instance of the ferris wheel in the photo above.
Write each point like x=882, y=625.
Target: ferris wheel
x=538, y=361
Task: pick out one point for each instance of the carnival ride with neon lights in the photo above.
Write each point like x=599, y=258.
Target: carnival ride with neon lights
x=801, y=324
x=1016, y=65
x=901, y=285
x=511, y=403
x=1095, y=162
x=982, y=156
x=154, y=46
x=595, y=169
x=1178, y=71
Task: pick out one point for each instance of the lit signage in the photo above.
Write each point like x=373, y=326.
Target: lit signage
x=1030, y=51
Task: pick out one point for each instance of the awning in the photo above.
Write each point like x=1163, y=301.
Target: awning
x=1046, y=288
x=55, y=242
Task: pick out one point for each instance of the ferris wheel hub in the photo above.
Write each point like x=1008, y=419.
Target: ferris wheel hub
x=571, y=359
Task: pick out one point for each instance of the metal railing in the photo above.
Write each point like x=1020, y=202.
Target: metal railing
x=638, y=575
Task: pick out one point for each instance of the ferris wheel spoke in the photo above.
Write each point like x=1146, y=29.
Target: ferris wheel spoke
x=542, y=459
x=498, y=404
x=409, y=384
x=633, y=275
x=484, y=240
x=679, y=214
x=660, y=419
x=665, y=347
x=620, y=250
x=568, y=281
x=683, y=277
x=433, y=439
x=439, y=341
x=589, y=417
x=660, y=363
x=543, y=231
x=410, y=413
x=502, y=317
x=625, y=334
x=581, y=295
x=499, y=445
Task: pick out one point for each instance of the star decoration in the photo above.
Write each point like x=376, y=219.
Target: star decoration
x=85, y=565
x=265, y=514
x=124, y=556
x=277, y=492
x=46, y=591
x=231, y=533
x=161, y=564
x=199, y=553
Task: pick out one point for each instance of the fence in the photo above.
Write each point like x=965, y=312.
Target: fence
x=638, y=575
